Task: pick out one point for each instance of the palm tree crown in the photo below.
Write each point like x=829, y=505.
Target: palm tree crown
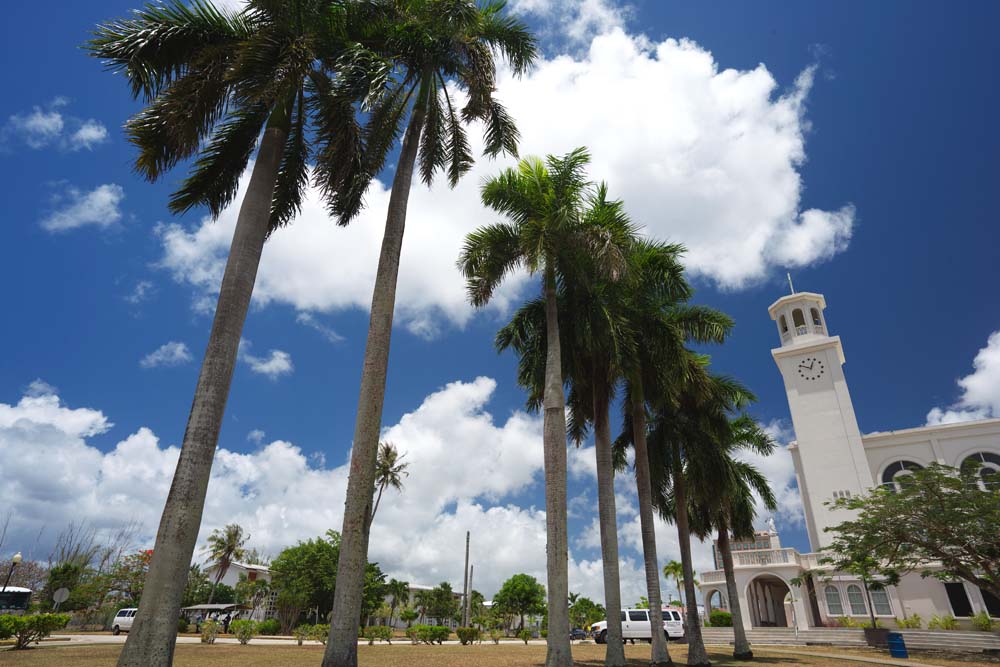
x=225, y=546
x=389, y=471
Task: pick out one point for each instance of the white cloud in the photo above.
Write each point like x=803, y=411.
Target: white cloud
x=99, y=207
x=980, y=397
x=701, y=155
x=172, y=353
x=780, y=472
x=256, y=436
x=48, y=126
x=273, y=365
x=142, y=290
x=309, y=320
x=578, y=21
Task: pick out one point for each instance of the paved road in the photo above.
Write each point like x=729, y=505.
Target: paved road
x=80, y=639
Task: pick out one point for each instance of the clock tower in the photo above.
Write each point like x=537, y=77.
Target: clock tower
x=829, y=457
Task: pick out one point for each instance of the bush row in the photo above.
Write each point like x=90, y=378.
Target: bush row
x=428, y=634
x=30, y=628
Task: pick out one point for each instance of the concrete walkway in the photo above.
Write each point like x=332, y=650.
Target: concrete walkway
x=852, y=657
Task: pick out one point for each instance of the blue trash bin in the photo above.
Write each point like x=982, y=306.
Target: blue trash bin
x=897, y=647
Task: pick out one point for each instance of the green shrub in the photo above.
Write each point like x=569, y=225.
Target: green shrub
x=913, y=622
x=428, y=634
x=209, y=631
x=847, y=622
x=524, y=635
x=720, y=619
x=375, y=633
x=32, y=628
x=946, y=622
x=320, y=632
x=982, y=621
x=467, y=635
x=244, y=630
x=496, y=634
x=182, y=624
x=302, y=633
x=269, y=626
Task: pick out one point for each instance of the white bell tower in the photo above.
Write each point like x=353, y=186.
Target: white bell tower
x=830, y=460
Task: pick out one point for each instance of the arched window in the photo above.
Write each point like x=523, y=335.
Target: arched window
x=894, y=477
x=880, y=600
x=988, y=465
x=815, y=317
x=797, y=318
x=784, y=324
x=857, y=600
x=833, y=604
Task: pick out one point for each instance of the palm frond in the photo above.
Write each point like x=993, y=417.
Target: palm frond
x=293, y=174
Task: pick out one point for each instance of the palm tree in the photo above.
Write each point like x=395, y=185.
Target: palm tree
x=675, y=570
x=400, y=592
x=224, y=547
x=389, y=471
x=432, y=45
x=542, y=202
x=214, y=83
x=682, y=429
x=728, y=506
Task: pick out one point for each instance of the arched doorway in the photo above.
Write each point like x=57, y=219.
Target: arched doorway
x=769, y=598
x=715, y=599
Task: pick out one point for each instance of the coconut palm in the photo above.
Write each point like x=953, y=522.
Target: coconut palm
x=224, y=547
x=436, y=47
x=400, y=592
x=389, y=471
x=682, y=429
x=542, y=202
x=217, y=85
x=675, y=570
x=729, y=506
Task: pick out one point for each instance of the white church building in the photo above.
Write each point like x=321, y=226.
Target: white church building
x=833, y=459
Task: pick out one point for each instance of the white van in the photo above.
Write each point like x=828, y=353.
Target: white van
x=123, y=620
x=636, y=625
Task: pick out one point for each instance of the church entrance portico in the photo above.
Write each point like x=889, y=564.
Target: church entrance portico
x=769, y=600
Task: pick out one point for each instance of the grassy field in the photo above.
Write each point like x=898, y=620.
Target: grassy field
x=485, y=655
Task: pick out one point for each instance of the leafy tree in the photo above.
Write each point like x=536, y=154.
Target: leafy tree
x=128, y=575
x=197, y=588
x=400, y=594
x=643, y=602
x=547, y=232
x=941, y=522
x=373, y=593
x=225, y=546
x=307, y=572
x=31, y=628
x=252, y=593
x=389, y=471
x=584, y=612
x=214, y=81
x=521, y=595
x=428, y=50
x=438, y=603
x=408, y=614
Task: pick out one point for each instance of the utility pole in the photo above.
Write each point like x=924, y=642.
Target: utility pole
x=465, y=586
x=468, y=599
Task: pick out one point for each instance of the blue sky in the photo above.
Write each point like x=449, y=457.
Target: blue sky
x=847, y=143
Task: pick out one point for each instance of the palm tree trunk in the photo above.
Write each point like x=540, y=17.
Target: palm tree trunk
x=659, y=655
x=741, y=645
x=153, y=635
x=696, y=645
x=342, y=646
x=615, y=654
x=558, y=651
x=381, y=488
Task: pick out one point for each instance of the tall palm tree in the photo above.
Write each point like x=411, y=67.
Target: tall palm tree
x=681, y=430
x=675, y=570
x=434, y=46
x=542, y=202
x=658, y=317
x=729, y=505
x=224, y=547
x=389, y=471
x=400, y=592
x=215, y=82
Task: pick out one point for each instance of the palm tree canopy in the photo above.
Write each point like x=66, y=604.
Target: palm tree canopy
x=227, y=545
x=213, y=78
x=435, y=58
x=390, y=468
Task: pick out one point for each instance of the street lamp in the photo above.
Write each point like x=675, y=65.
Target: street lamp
x=14, y=562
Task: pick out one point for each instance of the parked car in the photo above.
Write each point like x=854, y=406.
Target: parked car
x=123, y=620
x=578, y=633
x=635, y=625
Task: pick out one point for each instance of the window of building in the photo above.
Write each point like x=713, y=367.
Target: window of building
x=857, y=600
x=959, y=599
x=815, y=317
x=784, y=324
x=798, y=319
x=833, y=604
x=880, y=600
x=992, y=603
x=989, y=468
x=896, y=475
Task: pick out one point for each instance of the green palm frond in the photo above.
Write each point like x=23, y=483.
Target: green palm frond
x=293, y=174
x=502, y=134
x=433, y=144
x=459, y=153
x=488, y=256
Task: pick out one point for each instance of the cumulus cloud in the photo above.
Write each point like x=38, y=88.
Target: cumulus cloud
x=980, y=397
x=309, y=320
x=142, y=291
x=780, y=472
x=273, y=365
x=576, y=21
x=49, y=126
x=76, y=208
x=172, y=353
x=701, y=155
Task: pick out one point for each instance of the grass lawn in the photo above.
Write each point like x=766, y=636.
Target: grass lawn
x=485, y=655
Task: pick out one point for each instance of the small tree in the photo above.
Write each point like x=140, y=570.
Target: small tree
x=942, y=521
x=31, y=628
x=521, y=595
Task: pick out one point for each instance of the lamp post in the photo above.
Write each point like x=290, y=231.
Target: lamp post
x=14, y=562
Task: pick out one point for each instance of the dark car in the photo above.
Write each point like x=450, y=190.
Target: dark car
x=577, y=633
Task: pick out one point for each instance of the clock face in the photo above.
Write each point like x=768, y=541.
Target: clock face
x=810, y=368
